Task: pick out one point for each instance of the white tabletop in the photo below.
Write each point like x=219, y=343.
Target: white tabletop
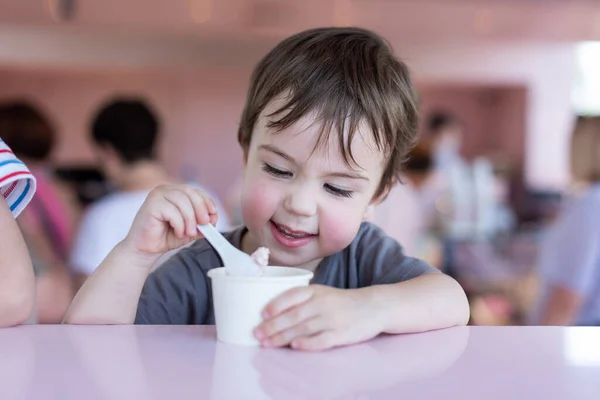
x=186, y=362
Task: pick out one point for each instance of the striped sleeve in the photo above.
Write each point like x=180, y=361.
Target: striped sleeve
x=17, y=184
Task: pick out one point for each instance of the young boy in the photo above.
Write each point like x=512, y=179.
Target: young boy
x=329, y=118
x=17, y=281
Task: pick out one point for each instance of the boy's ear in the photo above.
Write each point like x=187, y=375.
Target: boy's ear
x=375, y=201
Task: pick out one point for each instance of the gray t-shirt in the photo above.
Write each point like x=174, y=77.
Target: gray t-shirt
x=179, y=292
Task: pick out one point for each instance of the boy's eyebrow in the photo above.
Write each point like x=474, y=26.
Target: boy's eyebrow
x=278, y=152
x=275, y=150
x=351, y=175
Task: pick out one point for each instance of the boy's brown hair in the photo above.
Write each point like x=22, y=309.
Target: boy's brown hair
x=348, y=76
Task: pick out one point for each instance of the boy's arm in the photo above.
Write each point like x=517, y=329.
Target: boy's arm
x=411, y=296
x=396, y=294
x=167, y=220
x=319, y=317
x=111, y=294
x=431, y=301
x=174, y=293
x=17, y=281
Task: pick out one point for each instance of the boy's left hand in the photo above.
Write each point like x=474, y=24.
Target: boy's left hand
x=319, y=317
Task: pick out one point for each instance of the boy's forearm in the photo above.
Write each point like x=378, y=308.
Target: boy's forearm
x=111, y=294
x=429, y=302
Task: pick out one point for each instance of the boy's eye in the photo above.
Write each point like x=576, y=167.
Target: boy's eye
x=337, y=191
x=276, y=171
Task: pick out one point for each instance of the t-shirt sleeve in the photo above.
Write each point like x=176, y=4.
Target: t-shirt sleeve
x=17, y=184
x=176, y=293
x=382, y=260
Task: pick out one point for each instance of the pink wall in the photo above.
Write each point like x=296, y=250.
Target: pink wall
x=494, y=117
x=202, y=102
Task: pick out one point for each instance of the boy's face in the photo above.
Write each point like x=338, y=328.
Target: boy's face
x=305, y=206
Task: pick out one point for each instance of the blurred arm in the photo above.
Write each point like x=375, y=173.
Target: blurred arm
x=562, y=307
x=17, y=281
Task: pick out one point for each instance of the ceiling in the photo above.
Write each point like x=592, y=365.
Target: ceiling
x=421, y=20
x=236, y=32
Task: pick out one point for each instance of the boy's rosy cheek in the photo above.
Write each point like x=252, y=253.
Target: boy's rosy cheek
x=337, y=229
x=259, y=203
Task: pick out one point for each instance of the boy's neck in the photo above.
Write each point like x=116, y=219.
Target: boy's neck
x=144, y=175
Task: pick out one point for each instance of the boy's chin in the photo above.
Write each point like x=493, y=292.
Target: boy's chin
x=276, y=259
x=279, y=258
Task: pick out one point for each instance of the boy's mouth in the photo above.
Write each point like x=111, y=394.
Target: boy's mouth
x=290, y=237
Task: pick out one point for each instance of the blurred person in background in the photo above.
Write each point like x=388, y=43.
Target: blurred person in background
x=461, y=199
x=125, y=132
x=569, y=258
x=403, y=216
x=48, y=222
x=448, y=194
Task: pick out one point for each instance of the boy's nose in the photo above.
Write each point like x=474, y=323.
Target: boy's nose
x=301, y=202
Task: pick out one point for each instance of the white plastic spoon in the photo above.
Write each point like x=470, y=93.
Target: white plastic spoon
x=236, y=262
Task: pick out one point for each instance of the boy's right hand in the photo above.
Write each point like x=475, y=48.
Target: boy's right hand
x=168, y=218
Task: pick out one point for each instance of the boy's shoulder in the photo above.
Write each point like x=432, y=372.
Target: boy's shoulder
x=369, y=229
x=372, y=258
x=369, y=235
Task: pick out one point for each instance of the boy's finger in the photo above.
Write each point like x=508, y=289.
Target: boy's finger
x=198, y=200
x=286, y=320
x=287, y=300
x=308, y=327
x=211, y=205
x=214, y=218
x=172, y=215
x=320, y=341
x=183, y=202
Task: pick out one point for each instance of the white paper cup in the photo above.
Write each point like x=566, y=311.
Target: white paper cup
x=239, y=300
